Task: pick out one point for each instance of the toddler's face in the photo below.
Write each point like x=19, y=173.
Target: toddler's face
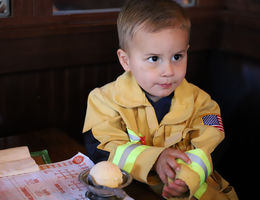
x=157, y=60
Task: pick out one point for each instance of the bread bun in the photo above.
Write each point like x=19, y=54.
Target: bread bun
x=107, y=174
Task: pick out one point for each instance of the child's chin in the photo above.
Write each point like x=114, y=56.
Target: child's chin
x=165, y=93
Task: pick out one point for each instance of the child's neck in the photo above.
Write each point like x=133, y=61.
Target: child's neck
x=153, y=98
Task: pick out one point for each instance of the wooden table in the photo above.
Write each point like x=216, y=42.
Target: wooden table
x=60, y=147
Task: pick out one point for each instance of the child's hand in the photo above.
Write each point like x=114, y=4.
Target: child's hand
x=166, y=167
x=174, y=188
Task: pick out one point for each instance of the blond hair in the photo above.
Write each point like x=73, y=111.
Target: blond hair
x=152, y=15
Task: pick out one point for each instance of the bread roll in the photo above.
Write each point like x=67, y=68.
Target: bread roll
x=107, y=174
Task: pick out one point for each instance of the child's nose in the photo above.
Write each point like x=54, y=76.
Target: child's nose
x=168, y=69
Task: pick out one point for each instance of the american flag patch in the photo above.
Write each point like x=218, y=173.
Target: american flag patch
x=213, y=120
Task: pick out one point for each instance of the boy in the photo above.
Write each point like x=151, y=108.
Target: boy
x=151, y=122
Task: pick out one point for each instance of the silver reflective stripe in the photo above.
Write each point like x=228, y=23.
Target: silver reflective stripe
x=199, y=161
x=134, y=138
x=125, y=154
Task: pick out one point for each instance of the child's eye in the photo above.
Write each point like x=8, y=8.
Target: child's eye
x=177, y=57
x=153, y=59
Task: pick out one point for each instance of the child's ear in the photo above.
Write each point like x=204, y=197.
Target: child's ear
x=123, y=59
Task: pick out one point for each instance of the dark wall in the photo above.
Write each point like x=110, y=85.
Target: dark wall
x=46, y=98
x=236, y=86
x=87, y=4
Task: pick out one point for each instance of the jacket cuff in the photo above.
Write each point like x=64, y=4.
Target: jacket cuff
x=144, y=164
x=190, y=177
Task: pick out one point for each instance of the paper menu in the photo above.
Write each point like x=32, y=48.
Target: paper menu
x=55, y=181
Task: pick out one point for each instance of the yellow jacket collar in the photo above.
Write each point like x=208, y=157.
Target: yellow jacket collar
x=129, y=94
x=182, y=104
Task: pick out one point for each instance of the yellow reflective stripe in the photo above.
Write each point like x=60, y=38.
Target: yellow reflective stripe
x=119, y=151
x=203, y=156
x=133, y=136
x=132, y=157
x=126, y=155
x=196, y=159
x=199, y=193
x=195, y=167
x=131, y=132
x=200, y=163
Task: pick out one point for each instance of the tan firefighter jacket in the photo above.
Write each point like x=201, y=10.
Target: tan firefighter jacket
x=124, y=122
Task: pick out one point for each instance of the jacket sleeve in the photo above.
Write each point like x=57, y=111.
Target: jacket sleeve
x=104, y=120
x=206, y=132
x=95, y=154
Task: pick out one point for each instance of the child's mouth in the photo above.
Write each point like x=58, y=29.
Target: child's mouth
x=166, y=85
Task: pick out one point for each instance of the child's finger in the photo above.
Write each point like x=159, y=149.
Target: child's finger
x=180, y=182
x=169, y=173
x=172, y=162
x=166, y=172
x=181, y=155
x=177, y=188
x=163, y=178
x=172, y=189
